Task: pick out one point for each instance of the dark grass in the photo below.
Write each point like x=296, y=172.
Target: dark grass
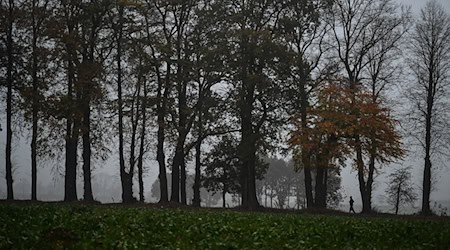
x=90, y=226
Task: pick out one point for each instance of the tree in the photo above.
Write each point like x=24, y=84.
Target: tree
x=342, y=113
x=223, y=169
x=305, y=30
x=9, y=12
x=400, y=190
x=209, y=45
x=430, y=63
x=364, y=30
x=69, y=15
x=257, y=65
x=120, y=22
x=38, y=59
x=159, y=42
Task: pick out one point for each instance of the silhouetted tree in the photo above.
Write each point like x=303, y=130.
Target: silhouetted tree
x=400, y=189
x=9, y=19
x=430, y=63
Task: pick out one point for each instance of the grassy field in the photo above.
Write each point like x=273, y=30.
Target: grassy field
x=56, y=226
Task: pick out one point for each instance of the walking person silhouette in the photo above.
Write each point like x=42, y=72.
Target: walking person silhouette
x=351, y=205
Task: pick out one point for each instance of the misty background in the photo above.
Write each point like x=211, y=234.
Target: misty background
x=106, y=181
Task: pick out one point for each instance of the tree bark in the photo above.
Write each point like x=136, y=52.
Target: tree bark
x=224, y=192
x=9, y=82
x=126, y=192
x=72, y=122
x=178, y=158
x=134, y=131
x=162, y=97
x=428, y=124
x=320, y=190
x=365, y=196
x=248, y=159
x=183, y=182
x=196, y=188
x=35, y=104
x=87, y=148
x=141, y=148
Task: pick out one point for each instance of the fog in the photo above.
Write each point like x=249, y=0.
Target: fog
x=106, y=181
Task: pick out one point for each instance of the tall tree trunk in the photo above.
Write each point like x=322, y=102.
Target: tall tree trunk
x=134, y=130
x=161, y=158
x=72, y=127
x=9, y=80
x=123, y=174
x=88, y=82
x=247, y=146
x=162, y=98
x=72, y=124
x=87, y=146
x=141, y=148
x=427, y=168
x=196, y=188
x=305, y=157
x=35, y=104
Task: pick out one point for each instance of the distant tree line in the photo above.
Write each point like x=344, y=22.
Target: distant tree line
x=218, y=84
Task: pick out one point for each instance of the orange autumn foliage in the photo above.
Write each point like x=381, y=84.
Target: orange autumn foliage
x=342, y=113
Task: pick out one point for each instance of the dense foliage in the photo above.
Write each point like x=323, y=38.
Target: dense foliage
x=77, y=226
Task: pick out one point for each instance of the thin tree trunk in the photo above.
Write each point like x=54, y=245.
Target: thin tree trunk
x=134, y=128
x=397, y=201
x=87, y=148
x=427, y=168
x=161, y=110
x=305, y=158
x=72, y=126
x=86, y=104
x=10, y=49
x=141, y=149
x=196, y=188
x=34, y=106
x=123, y=175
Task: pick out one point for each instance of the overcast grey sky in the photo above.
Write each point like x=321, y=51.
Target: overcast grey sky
x=21, y=158
x=416, y=5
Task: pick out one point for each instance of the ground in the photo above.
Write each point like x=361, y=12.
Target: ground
x=26, y=225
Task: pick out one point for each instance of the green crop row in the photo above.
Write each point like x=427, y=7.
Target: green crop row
x=50, y=226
